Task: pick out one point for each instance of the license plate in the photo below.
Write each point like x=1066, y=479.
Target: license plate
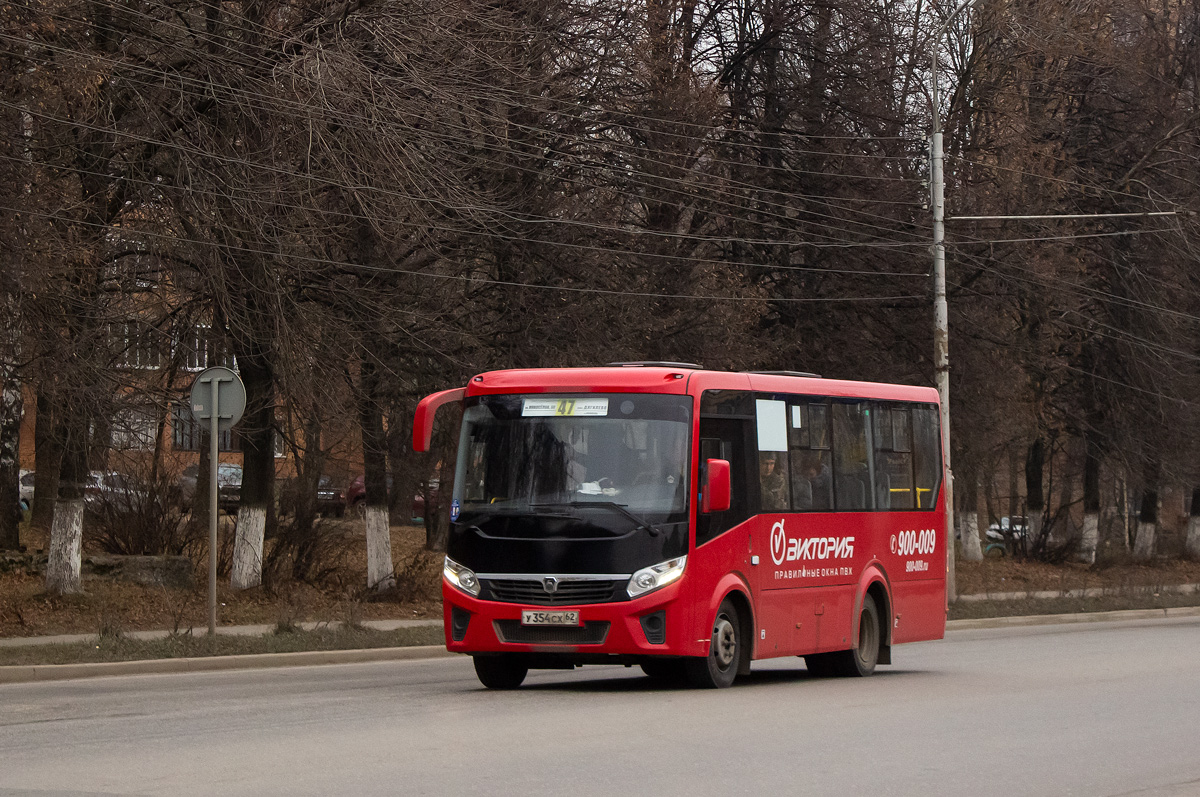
x=549, y=618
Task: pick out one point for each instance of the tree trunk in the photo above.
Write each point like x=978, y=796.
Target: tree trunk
x=380, y=569
x=47, y=461
x=969, y=524
x=1191, y=545
x=1035, y=495
x=11, y=408
x=66, y=533
x=1090, y=539
x=409, y=468
x=257, y=502
x=200, y=496
x=1143, y=544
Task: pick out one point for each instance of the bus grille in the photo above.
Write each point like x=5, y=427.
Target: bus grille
x=592, y=633
x=568, y=593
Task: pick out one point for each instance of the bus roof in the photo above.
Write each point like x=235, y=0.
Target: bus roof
x=681, y=379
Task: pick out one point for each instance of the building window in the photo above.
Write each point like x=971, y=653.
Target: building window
x=135, y=429
x=186, y=432
x=194, y=347
x=137, y=345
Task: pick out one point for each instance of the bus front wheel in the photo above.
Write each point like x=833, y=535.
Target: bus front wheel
x=500, y=672
x=718, y=669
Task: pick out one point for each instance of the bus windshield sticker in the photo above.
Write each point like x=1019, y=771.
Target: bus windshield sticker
x=546, y=408
x=772, y=425
x=797, y=417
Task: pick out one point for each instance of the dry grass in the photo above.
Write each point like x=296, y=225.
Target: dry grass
x=992, y=576
x=26, y=610
x=115, y=607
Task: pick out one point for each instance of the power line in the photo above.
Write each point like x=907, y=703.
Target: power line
x=603, y=249
x=128, y=232
x=309, y=176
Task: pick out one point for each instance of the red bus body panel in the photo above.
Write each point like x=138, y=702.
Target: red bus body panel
x=803, y=575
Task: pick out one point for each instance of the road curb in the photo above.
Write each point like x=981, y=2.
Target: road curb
x=26, y=673
x=1071, y=619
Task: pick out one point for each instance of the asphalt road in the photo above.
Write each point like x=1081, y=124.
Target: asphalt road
x=1099, y=709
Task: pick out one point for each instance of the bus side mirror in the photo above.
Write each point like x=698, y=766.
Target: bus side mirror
x=716, y=486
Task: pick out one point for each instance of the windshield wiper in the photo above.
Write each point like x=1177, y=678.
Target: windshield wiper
x=641, y=522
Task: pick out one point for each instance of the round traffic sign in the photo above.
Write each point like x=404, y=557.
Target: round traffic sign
x=230, y=398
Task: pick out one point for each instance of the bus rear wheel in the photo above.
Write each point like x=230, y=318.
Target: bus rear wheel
x=859, y=662
x=500, y=672
x=718, y=669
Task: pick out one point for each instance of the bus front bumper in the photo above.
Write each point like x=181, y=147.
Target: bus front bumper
x=655, y=624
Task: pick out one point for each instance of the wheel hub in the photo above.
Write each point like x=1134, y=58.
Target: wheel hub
x=724, y=642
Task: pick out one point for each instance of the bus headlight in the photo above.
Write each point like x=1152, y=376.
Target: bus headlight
x=656, y=576
x=461, y=577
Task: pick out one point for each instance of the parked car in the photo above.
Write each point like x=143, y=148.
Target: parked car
x=330, y=500
x=26, y=482
x=1008, y=537
x=229, y=486
x=356, y=496
x=112, y=492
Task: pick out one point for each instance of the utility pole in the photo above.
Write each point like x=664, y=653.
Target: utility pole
x=941, y=311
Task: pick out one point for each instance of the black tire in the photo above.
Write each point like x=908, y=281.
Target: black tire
x=858, y=662
x=719, y=668
x=500, y=672
x=665, y=670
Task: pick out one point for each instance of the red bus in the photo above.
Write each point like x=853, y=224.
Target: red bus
x=690, y=521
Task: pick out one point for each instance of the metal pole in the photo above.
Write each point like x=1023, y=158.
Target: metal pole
x=213, y=448
x=941, y=311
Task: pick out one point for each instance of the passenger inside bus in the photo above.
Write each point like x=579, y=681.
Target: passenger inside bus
x=772, y=479
x=811, y=483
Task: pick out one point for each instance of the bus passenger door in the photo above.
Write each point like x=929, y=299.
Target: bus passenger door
x=723, y=438
x=723, y=538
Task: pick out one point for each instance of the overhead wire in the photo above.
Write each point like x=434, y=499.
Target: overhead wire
x=471, y=279
x=687, y=194
x=831, y=200
x=424, y=226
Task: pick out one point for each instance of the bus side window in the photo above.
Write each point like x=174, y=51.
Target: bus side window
x=774, y=489
x=927, y=455
x=852, y=477
x=893, y=457
x=808, y=456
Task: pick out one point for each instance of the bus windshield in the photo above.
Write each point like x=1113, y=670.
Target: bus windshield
x=622, y=455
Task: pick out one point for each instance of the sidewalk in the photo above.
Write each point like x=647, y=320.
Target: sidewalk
x=232, y=630
x=1092, y=592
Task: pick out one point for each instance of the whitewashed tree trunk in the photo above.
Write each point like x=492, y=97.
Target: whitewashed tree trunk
x=66, y=542
x=379, y=548
x=248, y=547
x=1143, y=544
x=11, y=410
x=1090, y=540
x=1192, y=543
x=1033, y=528
x=972, y=551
